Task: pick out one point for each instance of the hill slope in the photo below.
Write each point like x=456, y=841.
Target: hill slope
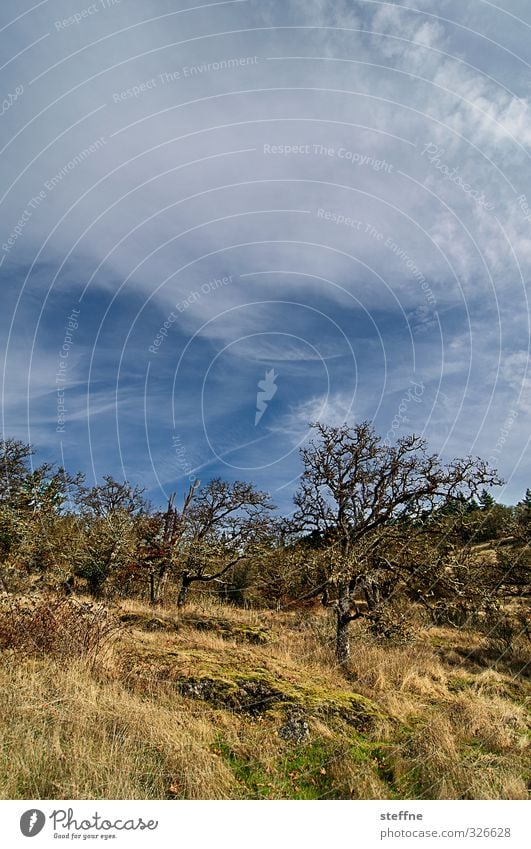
x=223, y=703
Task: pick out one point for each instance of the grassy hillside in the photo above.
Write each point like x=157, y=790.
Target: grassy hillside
x=223, y=703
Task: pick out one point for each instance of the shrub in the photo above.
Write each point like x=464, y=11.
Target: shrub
x=504, y=630
x=49, y=624
x=393, y=622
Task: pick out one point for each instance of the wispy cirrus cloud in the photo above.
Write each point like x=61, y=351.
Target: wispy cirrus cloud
x=265, y=185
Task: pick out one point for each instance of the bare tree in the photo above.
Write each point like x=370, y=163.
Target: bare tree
x=354, y=487
x=159, y=538
x=112, y=497
x=224, y=524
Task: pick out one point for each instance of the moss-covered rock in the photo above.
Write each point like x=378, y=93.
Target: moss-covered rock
x=239, y=680
x=229, y=630
x=224, y=628
x=149, y=623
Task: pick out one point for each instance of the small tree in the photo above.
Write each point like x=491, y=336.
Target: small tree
x=514, y=560
x=107, y=516
x=521, y=526
x=354, y=487
x=32, y=508
x=14, y=468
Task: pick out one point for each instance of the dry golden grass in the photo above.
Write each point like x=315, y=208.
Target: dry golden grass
x=161, y=714
x=66, y=735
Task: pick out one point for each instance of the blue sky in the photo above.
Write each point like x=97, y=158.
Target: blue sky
x=331, y=200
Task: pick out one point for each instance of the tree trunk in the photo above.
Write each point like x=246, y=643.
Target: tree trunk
x=343, y=622
x=183, y=591
x=371, y=592
x=157, y=585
